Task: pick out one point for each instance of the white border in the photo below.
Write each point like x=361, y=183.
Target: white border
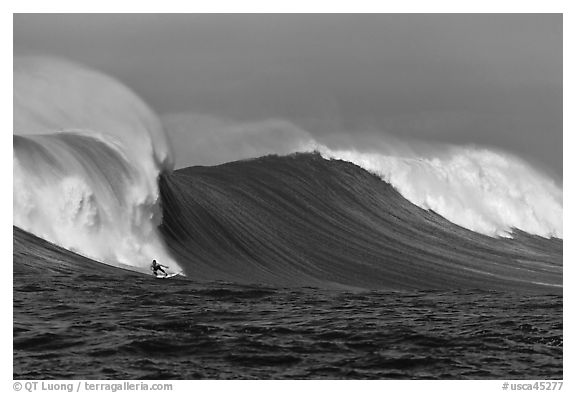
x=436, y=6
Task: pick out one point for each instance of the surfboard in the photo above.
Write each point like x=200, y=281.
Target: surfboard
x=168, y=276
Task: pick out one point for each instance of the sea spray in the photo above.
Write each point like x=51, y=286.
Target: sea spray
x=486, y=191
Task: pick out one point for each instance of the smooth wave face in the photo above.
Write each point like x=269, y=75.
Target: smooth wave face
x=87, y=155
x=303, y=220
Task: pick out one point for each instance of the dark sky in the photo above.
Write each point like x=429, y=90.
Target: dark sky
x=489, y=79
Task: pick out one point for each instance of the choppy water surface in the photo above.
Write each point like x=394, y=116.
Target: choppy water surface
x=134, y=327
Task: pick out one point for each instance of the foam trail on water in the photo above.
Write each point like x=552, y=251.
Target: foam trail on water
x=87, y=155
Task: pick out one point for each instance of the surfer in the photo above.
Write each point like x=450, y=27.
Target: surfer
x=156, y=266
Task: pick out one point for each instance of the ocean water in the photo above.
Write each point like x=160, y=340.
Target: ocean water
x=182, y=330
x=297, y=266
x=77, y=319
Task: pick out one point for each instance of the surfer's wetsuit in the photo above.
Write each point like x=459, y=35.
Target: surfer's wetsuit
x=156, y=266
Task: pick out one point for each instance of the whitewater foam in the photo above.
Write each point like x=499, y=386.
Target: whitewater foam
x=86, y=161
x=486, y=191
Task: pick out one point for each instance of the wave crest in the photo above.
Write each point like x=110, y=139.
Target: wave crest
x=86, y=161
x=486, y=191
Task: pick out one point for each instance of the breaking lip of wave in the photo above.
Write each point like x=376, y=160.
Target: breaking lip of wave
x=87, y=155
x=485, y=191
x=80, y=192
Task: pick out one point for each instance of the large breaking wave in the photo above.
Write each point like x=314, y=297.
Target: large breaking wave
x=302, y=220
x=485, y=190
x=87, y=155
